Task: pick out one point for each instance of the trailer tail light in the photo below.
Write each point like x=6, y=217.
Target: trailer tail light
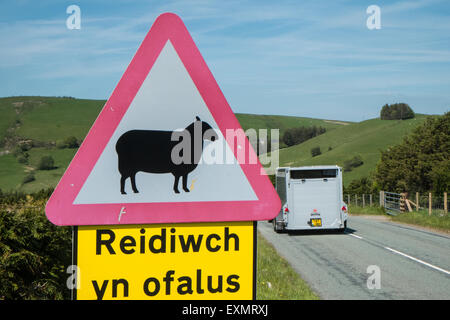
x=344, y=209
x=286, y=210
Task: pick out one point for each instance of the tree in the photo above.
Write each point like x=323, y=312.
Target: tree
x=69, y=142
x=421, y=162
x=46, y=163
x=363, y=185
x=354, y=162
x=293, y=136
x=315, y=151
x=29, y=178
x=396, y=111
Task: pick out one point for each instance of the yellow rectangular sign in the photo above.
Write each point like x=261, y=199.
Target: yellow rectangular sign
x=166, y=262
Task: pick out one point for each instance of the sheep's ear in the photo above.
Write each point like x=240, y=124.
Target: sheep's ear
x=197, y=118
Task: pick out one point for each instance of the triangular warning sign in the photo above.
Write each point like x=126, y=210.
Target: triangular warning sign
x=165, y=148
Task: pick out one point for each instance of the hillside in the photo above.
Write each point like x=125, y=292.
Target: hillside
x=284, y=122
x=365, y=138
x=43, y=121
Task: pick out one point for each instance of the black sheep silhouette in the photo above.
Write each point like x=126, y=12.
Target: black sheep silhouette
x=151, y=151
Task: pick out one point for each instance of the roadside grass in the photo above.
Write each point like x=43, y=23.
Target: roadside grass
x=437, y=220
x=276, y=278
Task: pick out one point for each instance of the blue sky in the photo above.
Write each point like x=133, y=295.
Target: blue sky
x=310, y=58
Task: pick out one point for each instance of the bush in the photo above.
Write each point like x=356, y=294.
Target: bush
x=34, y=254
x=69, y=142
x=396, y=111
x=25, y=145
x=23, y=158
x=28, y=178
x=60, y=144
x=46, y=163
x=354, y=162
x=315, y=151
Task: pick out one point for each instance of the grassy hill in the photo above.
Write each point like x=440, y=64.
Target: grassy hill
x=284, y=122
x=43, y=121
x=366, y=138
x=47, y=118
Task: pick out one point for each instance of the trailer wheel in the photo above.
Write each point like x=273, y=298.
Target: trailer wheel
x=342, y=230
x=276, y=228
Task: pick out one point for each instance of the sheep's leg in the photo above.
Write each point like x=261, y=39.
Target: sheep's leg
x=133, y=183
x=185, y=188
x=175, y=184
x=122, y=184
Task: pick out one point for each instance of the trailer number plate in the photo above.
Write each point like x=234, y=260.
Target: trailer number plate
x=316, y=222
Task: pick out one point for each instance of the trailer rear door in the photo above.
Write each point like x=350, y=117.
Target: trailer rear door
x=315, y=194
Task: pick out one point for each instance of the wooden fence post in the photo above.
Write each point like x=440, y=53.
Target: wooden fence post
x=417, y=201
x=429, y=204
x=364, y=200
x=370, y=199
x=402, y=202
x=445, y=203
x=348, y=200
x=356, y=200
x=381, y=198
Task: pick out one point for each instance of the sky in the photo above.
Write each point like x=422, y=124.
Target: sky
x=309, y=58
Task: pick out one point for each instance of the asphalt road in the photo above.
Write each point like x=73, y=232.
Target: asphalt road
x=413, y=263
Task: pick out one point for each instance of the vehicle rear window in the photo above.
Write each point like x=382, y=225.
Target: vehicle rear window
x=313, y=174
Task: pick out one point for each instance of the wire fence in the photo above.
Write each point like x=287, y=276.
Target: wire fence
x=393, y=201
x=437, y=201
x=362, y=200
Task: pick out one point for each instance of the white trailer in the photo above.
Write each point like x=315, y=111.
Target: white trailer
x=311, y=197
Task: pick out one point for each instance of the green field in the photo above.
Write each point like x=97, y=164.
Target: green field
x=284, y=122
x=366, y=138
x=11, y=173
x=7, y=118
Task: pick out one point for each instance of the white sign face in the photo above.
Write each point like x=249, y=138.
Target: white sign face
x=168, y=98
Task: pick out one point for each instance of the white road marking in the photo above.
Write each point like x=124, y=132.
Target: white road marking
x=354, y=235
x=418, y=260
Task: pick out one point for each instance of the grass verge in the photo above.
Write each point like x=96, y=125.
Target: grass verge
x=438, y=219
x=276, y=278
